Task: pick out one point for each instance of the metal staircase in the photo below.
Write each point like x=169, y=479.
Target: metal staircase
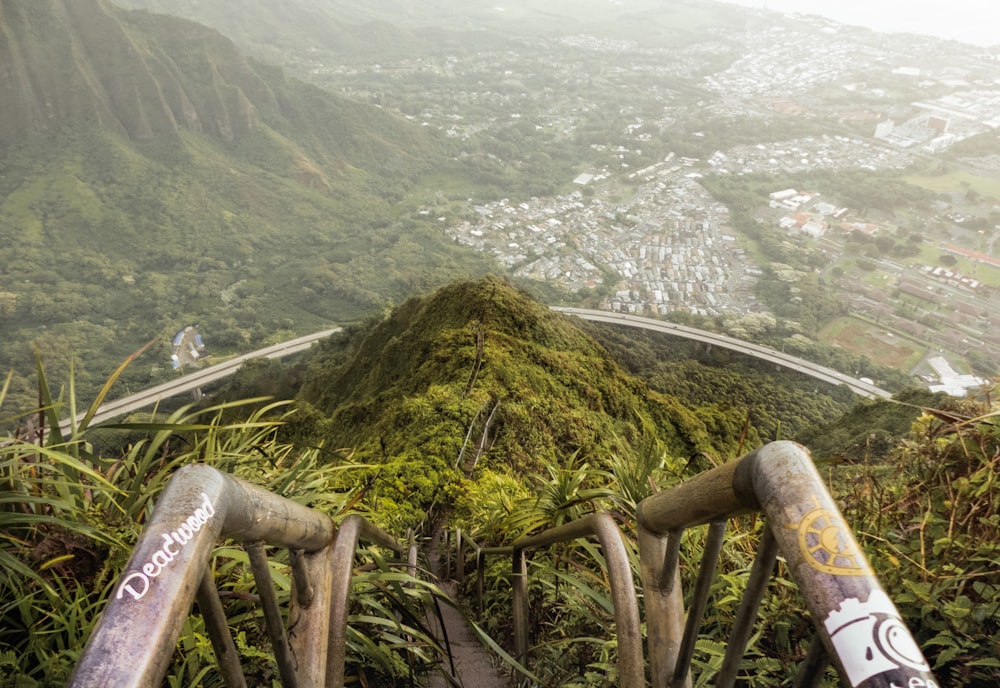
x=858, y=629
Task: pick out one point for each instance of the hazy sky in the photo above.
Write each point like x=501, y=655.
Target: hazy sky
x=971, y=21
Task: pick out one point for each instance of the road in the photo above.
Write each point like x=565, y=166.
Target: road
x=192, y=381
x=819, y=372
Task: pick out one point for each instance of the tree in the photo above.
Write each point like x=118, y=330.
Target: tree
x=884, y=244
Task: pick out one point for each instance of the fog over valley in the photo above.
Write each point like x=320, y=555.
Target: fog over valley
x=814, y=186
x=675, y=321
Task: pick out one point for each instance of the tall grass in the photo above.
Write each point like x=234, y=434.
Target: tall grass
x=68, y=517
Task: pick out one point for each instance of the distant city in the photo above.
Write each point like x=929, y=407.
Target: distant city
x=649, y=231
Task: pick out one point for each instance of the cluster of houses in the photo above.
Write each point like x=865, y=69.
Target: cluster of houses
x=665, y=245
x=808, y=216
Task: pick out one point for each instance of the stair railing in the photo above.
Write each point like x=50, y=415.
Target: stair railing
x=462, y=544
x=623, y=596
x=626, y=608
x=133, y=642
x=858, y=626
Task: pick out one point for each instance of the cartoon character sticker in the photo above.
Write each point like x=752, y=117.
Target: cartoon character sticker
x=870, y=639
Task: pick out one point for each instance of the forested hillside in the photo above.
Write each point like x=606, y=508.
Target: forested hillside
x=480, y=375
x=477, y=407
x=151, y=177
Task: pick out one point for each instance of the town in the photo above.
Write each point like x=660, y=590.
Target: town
x=634, y=226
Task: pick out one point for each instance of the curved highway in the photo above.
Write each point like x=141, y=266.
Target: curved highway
x=203, y=376
x=815, y=370
x=192, y=381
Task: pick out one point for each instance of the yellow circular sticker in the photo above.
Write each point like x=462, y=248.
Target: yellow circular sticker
x=827, y=546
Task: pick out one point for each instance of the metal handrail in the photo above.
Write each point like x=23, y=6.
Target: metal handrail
x=623, y=596
x=626, y=608
x=462, y=542
x=857, y=624
x=858, y=627
x=133, y=641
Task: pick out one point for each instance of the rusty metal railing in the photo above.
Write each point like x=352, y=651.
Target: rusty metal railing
x=858, y=627
x=462, y=543
x=133, y=642
x=601, y=525
x=626, y=610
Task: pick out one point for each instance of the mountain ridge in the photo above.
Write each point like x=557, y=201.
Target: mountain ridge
x=483, y=360
x=151, y=177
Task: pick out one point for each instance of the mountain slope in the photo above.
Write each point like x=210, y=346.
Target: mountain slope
x=480, y=375
x=82, y=61
x=151, y=178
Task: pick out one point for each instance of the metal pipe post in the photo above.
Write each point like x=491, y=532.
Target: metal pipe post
x=664, y=602
x=272, y=614
x=309, y=624
x=218, y=632
x=864, y=634
x=352, y=529
x=626, y=609
x=198, y=505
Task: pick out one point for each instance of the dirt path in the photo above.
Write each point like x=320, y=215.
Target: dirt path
x=474, y=666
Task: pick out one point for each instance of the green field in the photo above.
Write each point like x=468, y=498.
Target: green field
x=958, y=181
x=862, y=338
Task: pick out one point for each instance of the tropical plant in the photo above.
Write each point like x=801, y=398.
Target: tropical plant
x=68, y=516
x=930, y=517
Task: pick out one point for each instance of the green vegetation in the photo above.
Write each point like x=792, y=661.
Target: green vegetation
x=512, y=491
x=239, y=199
x=480, y=376
x=731, y=391
x=151, y=177
x=870, y=429
x=478, y=407
x=69, y=517
x=928, y=515
x=948, y=181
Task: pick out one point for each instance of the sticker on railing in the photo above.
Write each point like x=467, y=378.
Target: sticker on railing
x=136, y=584
x=826, y=544
x=870, y=638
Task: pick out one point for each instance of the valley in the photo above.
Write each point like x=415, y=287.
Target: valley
x=626, y=163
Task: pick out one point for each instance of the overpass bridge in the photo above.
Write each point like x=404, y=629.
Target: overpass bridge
x=801, y=365
x=197, y=379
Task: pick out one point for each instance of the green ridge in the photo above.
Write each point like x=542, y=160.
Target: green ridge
x=405, y=392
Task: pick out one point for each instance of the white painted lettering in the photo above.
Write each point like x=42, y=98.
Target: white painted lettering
x=208, y=506
x=137, y=583
x=126, y=586
x=168, y=540
x=160, y=560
